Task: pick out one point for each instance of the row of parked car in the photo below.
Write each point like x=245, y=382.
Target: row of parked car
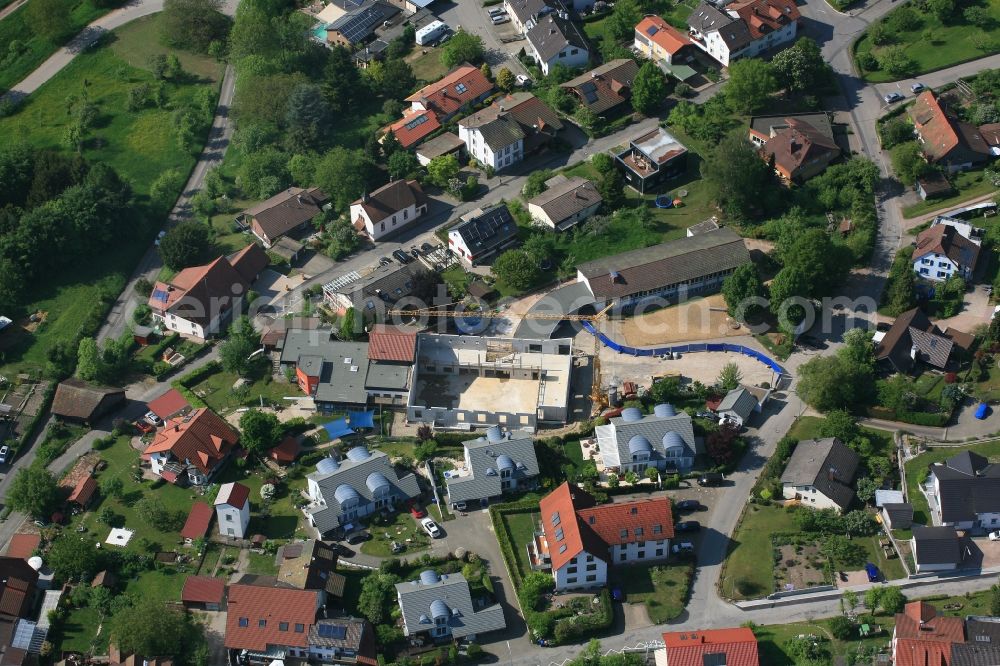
x=405, y=257
x=893, y=97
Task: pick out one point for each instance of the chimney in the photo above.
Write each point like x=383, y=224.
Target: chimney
x=299, y=197
x=177, y=427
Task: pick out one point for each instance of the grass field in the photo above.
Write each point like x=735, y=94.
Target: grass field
x=662, y=588
x=521, y=528
x=748, y=570
x=969, y=184
x=426, y=66
x=217, y=391
x=402, y=528
x=914, y=467
x=953, y=42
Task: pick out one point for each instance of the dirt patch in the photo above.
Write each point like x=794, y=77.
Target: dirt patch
x=701, y=319
x=800, y=567
x=83, y=468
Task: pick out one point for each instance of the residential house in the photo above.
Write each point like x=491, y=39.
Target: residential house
x=23, y=545
x=604, y=88
x=580, y=539
x=703, y=227
x=440, y=608
x=203, y=593
x=339, y=374
x=456, y=91
x=709, y=647
x=334, y=9
x=897, y=515
x=287, y=212
x=565, y=202
x=286, y=451
x=199, y=301
x=198, y=520
x=738, y=406
x=342, y=492
x=946, y=141
x=661, y=42
x=667, y=272
x=933, y=185
x=651, y=159
x=943, y=251
x=554, y=39
x=495, y=465
x=232, y=506
x=801, y=145
x=937, y=548
x=820, y=474
x=310, y=565
x=168, y=405
x=912, y=339
x=446, y=143
x=83, y=402
x=524, y=14
x=500, y=135
x=921, y=637
x=964, y=492
x=743, y=29
x=483, y=234
x=357, y=26
x=191, y=448
x=414, y=126
x=389, y=209
x=18, y=589
x=379, y=289
x=270, y=622
x=634, y=442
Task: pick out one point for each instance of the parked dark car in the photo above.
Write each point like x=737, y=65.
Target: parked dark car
x=618, y=594
x=710, y=479
x=384, y=261
x=357, y=536
x=687, y=526
x=402, y=257
x=688, y=505
x=873, y=573
x=414, y=252
x=810, y=341
x=426, y=248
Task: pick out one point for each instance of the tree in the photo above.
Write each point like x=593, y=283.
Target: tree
x=345, y=175
x=840, y=424
x=184, y=245
x=192, y=24
x=866, y=487
x=895, y=132
x=666, y=389
x=729, y=377
x=649, y=89
x=887, y=600
x=263, y=173
x=172, y=634
x=801, y=67
x=611, y=187
x=516, y=269
x=235, y=350
x=942, y=9
x=73, y=557
x=825, y=383
x=978, y=16
x=403, y=164
x=342, y=238
x=995, y=601
x=603, y=163
x=621, y=24
x=505, y=79
x=741, y=182
x=535, y=184
x=377, y=592
x=341, y=79
x=425, y=450
x=895, y=61
x=259, y=431
x=722, y=444
x=442, y=169
x=112, y=486
x=166, y=187
x=151, y=510
x=350, y=325
x=841, y=627
x=50, y=20
x=741, y=289
x=307, y=117
x=908, y=162
x=462, y=47
x=60, y=359
x=34, y=492
x=751, y=83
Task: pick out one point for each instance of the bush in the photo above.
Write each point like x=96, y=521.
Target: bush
x=841, y=627
x=581, y=626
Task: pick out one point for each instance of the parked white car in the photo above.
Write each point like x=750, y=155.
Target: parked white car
x=500, y=18
x=994, y=536
x=433, y=531
x=152, y=419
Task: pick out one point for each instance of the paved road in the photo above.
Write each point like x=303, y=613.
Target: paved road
x=11, y=8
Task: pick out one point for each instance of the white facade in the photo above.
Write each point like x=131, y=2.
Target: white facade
x=809, y=496
x=937, y=267
x=497, y=157
x=713, y=44
x=583, y=571
x=538, y=213
x=987, y=520
x=186, y=327
x=391, y=224
x=925, y=568
x=233, y=520
x=643, y=551
x=571, y=56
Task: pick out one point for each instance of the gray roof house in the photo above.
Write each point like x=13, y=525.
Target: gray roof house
x=442, y=606
x=965, y=492
x=498, y=463
x=897, y=515
x=820, y=473
x=565, y=202
x=482, y=234
x=937, y=548
x=555, y=39
x=738, y=405
x=342, y=492
x=634, y=442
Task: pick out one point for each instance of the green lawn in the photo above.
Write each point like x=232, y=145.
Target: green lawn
x=969, y=185
x=953, y=42
x=281, y=519
x=892, y=569
x=402, y=528
x=217, y=391
x=521, y=528
x=808, y=427
x=261, y=564
x=748, y=572
x=662, y=588
x=771, y=640
x=427, y=66
x=227, y=239
x=915, y=466
x=34, y=49
x=76, y=634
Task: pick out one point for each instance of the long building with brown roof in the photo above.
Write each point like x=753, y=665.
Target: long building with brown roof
x=947, y=141
x=283, y=213
x=391, y=208
x=77, y=400
x=802, y=146
x=606, y=87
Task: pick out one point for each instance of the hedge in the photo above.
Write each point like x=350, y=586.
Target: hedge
x=582, y=626
x=40, y=417
x=497, y=512
x=935, y=419
x=775, y=465
x=201, y=374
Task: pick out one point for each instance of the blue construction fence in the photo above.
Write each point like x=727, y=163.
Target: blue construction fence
x=684, y=349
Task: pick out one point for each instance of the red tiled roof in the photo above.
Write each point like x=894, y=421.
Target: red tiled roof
x=203, y=590
x=939, y=133
x=250, y=261
x=799, y=144
x=17, y=580
x=914, y=652
x=201, y=437
x=233, y=494
x=198, y=520
x=390, y=343
x=413, y=127
x=610, y=521
x=264, y=611
x=23, y=545
x=168, y=404
x=454, y=90
x=661, y=33
x=286, y=451
x=920, y=621
x=84, y=491
x=558, y=510
x=766, y=16
x=690, y=648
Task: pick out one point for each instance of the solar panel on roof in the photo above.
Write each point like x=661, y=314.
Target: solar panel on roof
x=714, y=659
x=419, y=120
x=652, y=30
x=160, y=295
x=334, y=631
x=356, y=27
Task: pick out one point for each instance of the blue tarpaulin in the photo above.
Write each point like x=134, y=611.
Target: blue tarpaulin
x=361, y=419
x=338, y=428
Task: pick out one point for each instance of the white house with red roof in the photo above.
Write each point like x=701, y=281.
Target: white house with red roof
x=271, y=622
x=199, y=300
x=389, y=209
x=191, y=448
x=744, y=28
x=457, y=90
x=701, y=647
x=232, y=507
x=580, y=539
x=659, y=41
